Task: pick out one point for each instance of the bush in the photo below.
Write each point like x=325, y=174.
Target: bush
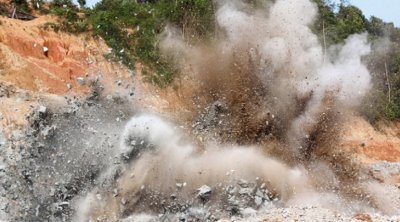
x=341, y=20
x=22, y=5
x=70, y=21
x=132, y=29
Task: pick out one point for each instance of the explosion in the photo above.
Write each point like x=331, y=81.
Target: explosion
x=265, y=104
x=268, y=100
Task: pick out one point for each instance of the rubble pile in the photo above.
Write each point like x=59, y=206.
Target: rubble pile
x=60, y=157
x=238, y=199
x=57, y=157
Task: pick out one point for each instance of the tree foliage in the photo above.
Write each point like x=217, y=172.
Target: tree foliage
x=22, y=5
x=338, y=21
x=132, y=28
x=69, y=18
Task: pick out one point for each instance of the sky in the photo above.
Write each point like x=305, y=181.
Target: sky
x=387, y=10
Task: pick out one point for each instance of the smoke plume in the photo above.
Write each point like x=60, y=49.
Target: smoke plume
x=276, y=47
x=265, y=95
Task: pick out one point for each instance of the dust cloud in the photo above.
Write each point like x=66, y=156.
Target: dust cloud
x=263, y=79
x=276, y=46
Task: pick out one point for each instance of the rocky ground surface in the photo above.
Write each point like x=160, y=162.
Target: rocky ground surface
x=291, y=214
x=57, y=157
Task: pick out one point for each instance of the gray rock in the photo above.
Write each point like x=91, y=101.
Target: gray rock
x=2, y=141
x=17, y=135
x=197, y=214
x=243, y=183
x=81, y=81
x=246, y=191
x=204, y=192
x=248, y=212
x=48, y=131
x=258, y=200
x=42, y=109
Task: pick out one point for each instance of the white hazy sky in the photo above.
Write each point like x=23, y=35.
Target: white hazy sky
x=388, y=10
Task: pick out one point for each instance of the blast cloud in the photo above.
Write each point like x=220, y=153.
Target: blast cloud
x=278, y=46
x=269, y=57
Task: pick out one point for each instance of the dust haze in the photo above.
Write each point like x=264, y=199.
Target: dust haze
x=267, y=101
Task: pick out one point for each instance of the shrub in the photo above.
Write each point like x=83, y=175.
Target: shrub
x=70, y=21
x=132, y=29
x=22, y=5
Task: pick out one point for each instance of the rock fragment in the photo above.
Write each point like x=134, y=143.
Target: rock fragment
x=42, y=109
x=81, y=81
x=204, y=192
x=69, y=86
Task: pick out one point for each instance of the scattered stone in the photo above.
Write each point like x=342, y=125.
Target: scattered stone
x=115, y=192
x=52, y=192
x=16, y=135
x=248, y=212
x=42, y=109
x=48, y=131
x=63, y=204
x=258, y=200
x=69, y=86
x=246, y=191
x=81, y=81
x=132, y=92
x=243, y=183
x=204, y=192
x=197, y=214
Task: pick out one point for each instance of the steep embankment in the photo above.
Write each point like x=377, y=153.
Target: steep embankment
x=44, y=61
x=36, y=62
x=373, y=144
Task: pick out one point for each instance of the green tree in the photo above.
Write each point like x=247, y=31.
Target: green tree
x=326, y=23
x=62, y=4
x=133, y=29
x=350, y=21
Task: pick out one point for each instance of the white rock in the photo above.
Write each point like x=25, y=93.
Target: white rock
x=248, y=212
x=42, y=109
x=204, y=192
x=81, y=81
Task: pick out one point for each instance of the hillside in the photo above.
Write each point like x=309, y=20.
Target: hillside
x=230, y=111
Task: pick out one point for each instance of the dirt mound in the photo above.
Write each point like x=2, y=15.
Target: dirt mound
x=372, y=144
x=36, y=63
x=40, y=60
